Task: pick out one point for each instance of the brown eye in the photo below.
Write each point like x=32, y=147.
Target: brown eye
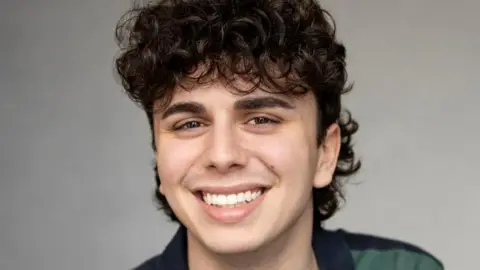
x=262, y=121
x=188, y=125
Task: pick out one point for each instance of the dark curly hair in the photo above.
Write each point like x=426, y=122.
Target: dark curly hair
x=286, y=46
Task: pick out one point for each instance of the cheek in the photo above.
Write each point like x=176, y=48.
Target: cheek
x=290, y=156
x=174, y=159
x=278, y=154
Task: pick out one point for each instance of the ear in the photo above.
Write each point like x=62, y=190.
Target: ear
x=328, y=153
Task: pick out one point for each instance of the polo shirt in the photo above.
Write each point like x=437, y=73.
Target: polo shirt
x=334, y=250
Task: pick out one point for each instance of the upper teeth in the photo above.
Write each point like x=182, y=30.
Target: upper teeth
x=231, y=199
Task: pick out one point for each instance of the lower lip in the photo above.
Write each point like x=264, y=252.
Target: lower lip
x=232, y=214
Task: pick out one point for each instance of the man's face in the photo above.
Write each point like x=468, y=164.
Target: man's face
x=238, y=170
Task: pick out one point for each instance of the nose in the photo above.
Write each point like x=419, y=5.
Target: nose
x=224, y=151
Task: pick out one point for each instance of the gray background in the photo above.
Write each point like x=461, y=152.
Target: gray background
x=75, y=157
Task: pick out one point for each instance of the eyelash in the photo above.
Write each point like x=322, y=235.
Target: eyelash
x=184, y=125
x=265, y=120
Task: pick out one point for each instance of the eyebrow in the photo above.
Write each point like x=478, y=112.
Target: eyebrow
x=184, y=107
x=258, y=103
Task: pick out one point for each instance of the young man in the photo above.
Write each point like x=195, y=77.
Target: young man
x=251, y=139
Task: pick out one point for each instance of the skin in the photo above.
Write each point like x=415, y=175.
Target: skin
x=227, y=139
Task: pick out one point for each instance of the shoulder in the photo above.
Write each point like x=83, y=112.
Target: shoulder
x=372, y=252
x=154, y=263
x=173, y=257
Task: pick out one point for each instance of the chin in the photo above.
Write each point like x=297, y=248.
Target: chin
x=241, y=228
x=234, y=242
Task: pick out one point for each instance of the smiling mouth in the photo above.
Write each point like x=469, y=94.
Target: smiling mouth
x=231, y=200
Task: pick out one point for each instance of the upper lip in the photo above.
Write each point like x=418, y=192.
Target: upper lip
x=228, y=189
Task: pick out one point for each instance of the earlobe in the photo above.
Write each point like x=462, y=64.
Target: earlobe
x=328, y=156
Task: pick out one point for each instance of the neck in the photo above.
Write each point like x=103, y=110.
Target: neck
x=290, y=250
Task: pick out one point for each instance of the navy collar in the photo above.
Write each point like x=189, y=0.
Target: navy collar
x=331, y=251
